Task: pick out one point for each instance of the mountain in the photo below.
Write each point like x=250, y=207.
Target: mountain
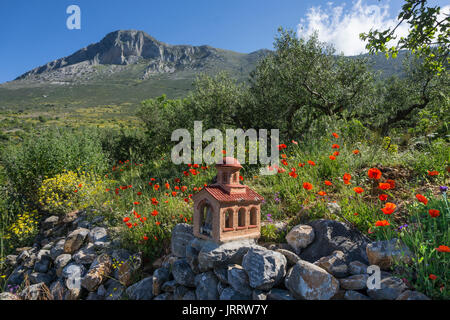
x=127, y=66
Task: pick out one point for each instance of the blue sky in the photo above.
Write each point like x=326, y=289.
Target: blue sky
x=33, y=33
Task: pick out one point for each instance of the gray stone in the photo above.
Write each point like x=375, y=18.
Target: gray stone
x=220, y=287
x=85, y=255
x=334, y=264
x=35, y=292
x=11, y=260
x=206, y=286
x=355, y=282
x=183, y=274
x=290, y=256
x=100, y=269
x=42, y=265
x=73, y=270
x=37, y=277
x=61, y=261
x=412, y=295
x=114, y=290
x=300, y=237
x=169, y=286
x=310, y=282
x=221, y=274
x=57, y=290
x=57, y=249
x=192, y=258
x=141, y=290
x=99, y=237
x=331, y=235
x=164, y=296
x=75, y=240
x=279, y=294
x=18, y=275
x=238, y=280
x=385, y=253
x=391, y=288
x=231, y=294
x=50, y=222
x=179, y=292
x=182, y=235
x=357, y=267
x=355, y=295
x=160, y=276
x=215, y=255
x=190, y=295
x=93, y=296
x=265, y=268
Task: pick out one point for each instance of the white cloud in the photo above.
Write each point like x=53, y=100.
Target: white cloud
x=342, y=27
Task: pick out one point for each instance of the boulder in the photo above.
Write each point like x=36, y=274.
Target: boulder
x=279, y=294
x=142, y=290
x=300, y=237
x=331, y=235
x=169, y=286
x=220, y=287
x=334, y=264
x=259, y=295
x=164, y=296
x=17, y=276
x=127, y=270
x=37, y=277
x=231, y=294
x=238, y=280
x=215, y=255
x=99, y=237
x=61, y=261
x=8, y=296
x=35, y=292
x=265, y=268
x=57, y=290
x=355, y=282
x=183, y=274
x=391, y=288
x=357, y=267
x=206, y=286
x=182, y=235
x=85, y=255
x=412, y=295
x=221, y=274
x=355, y=295
x=310, y=282
x=160, y=276
x=290, y=256
x=190, y=295
x=75, y=240
x=50, y=222
x=385, y=253
x=114, y=290
x=57, y=249
x=100, y=269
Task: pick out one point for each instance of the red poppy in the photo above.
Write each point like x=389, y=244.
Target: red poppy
x=293, y=174
x=75, y=191
x=335, y=135
x=139, y=193
x=174, y=193
x=154, y=201
x=183, y=188
x=126, y=219
x=389, y=208
x=301, y=165
x=384, y=186
x=328, y=183
x=422, y=199
x=152, y=179
x=374, y=173
x=383, y=197
x=382, y=223
x=443, y=249
x=335, y=146
x=322, y=193
x=284, y=162
x=224, y=151
x=136, y=203
x=156, y=186
x=391, y=183
x=336, y=153
x=177, y=180
x=157, y=223
x=186, y=173
x=241, y=178
x=355, y=214
x=80, y=185
x=107, y=190
x=307, y=186
x=282, y=146
x=167, y=185
x=145, y=238
x=154, y=213
x=283, y=156
x=433, y=173
x=433, y=213
x=358, y=190
x=332, y=157
x=356, y=151
x=312, y=163
x=347, y=176
x=186, y=200
x=432, y=276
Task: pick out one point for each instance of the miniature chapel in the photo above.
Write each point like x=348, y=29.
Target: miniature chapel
x=227, y=210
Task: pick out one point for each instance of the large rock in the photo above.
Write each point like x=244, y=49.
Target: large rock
x=331, y=235
x=160, y=276
x=141, y=290
x=290, y=256
x=355, y=282
x=182, y=235
x=100, y=269
x=355, y=295
x=265, y=268
x=357, y=267
x=57, y=249
x=206, y=286
x=391, y=288
x=37, y=291
x=334, y=264
x=183, y=274
x=43, y=261
x=279, y=294
x=85, y=255
x=75, y=240
x=18, y=275
x=238, y=280
x=98, y=234
x=231, y=294
x=127, y=270
x=300, y=237
x=37, y=277
x=412, y=295
x=385, y=253
x=309, y=282
x=61, y=261
x=215, y=255
x=57, y=290
x=8, y=296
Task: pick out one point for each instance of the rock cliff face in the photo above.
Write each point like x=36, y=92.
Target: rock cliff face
x=122, y=48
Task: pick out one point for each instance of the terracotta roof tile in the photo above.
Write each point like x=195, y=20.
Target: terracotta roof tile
x=221, y=195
